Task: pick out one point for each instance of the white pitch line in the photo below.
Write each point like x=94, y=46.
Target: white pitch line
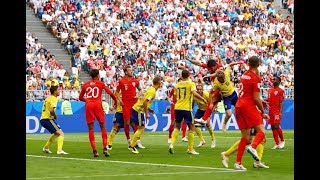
x=117, y=175
x=128, y=162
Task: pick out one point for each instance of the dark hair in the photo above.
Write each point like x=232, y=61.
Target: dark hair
x=254, y=61
x=94, y=73
x=199, y=85
x=185, y=73
x=277, y=77
x=125, y=69
x=156, y=80
x=211, y=63
x=53, y=89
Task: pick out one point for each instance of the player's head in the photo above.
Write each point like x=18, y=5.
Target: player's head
x=254, y=62
x=128, y=71
x=211, y=65
x=156, y=82
x=199, y=89
x=276, y=80
x=95, y=74
x=220, y=76
x=54, y=90
x=185, y=74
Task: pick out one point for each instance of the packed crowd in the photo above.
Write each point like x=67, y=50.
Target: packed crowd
x=155, y=37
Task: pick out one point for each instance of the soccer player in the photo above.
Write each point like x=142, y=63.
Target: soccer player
x=90, y=93
x=183, y=95
x=211, y=66
x=229, y=96
x=260, y=148
x=249, y=112
x=171, y=127
x=142, y=106
x=128, y=86
x=118, y=123
x=48, y=121
x=199, y=113
x=275, y=101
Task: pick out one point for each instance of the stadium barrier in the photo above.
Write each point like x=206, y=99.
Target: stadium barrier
x=160, y=121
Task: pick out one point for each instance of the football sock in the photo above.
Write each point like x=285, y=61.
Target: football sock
x=257, y=139
x=174, y=135
x=136, y=136
x=280, y=133
x=190, y=140
x=127, y=131
x=50, y=141
x=241, y=147
x=183, y=129
x=207, y=113
x=171, y=128
x=275, y=136
x=211, y=132
x=232, y=149
x=113, y=133
x=104, y=137
x=60, y=142
x=199, y=133
x=260, y=149
x=92, y=140
x=226, y=119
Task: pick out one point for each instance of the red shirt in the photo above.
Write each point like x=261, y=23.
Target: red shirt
x=249, y=83
x=275, y=98
x=93, y=91
x=128, y=88
x=171, y=95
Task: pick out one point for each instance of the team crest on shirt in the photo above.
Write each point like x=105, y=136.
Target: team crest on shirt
x=133, y=83
x=275, y=93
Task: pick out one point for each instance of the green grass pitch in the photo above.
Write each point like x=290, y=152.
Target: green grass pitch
x=154, y=162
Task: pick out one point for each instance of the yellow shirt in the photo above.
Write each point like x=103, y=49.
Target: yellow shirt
x=226, y=88
x=49, y=102
x=201, y=104
x=150, y=95
x=183, y=91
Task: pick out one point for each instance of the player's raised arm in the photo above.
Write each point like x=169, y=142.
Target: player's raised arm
x=195, y=62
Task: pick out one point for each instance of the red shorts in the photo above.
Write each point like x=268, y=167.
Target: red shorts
x=126, y=111
x=94, y=110
x=274, y=119
x=248, y=117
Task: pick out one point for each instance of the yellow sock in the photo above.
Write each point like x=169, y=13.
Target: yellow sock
x=190, y=140
x=136, y=136
x=211, y=132
x=113, y=133
x=226, y=119
x=175, y=134
x=260, y=149
x=199, y=133
x=60, y=142
x=232, y=149
x=50, y=141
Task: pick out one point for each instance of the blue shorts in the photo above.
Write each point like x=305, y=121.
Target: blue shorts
x=199, y=114
x=50, y=125
x=230, y=100
x=253, y=132
x=187, y=116
x=118, y=118
x=137, y=118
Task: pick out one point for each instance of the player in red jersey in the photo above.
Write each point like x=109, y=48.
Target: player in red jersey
x=249, y=112
x=212, y=66
x=171, y=127
x=91, y=92
x=128, y=86
x=275, y=101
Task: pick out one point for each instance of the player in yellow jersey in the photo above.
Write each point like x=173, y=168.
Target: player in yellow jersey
x=260, y=148
x=48, y=120
x=183, y=96
x=142, y=106
x=199, y=113
x=229, y=95
x=118, y=123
